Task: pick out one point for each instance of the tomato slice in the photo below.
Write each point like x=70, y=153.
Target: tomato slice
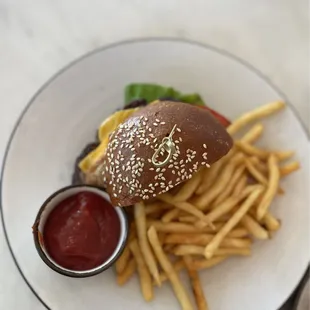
x=222, y=119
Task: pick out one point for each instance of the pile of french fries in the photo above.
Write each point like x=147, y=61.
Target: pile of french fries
x=217, y=214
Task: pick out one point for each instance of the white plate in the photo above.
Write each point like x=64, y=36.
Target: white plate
x=63, y=116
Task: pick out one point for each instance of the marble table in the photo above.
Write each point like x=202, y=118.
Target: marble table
x=38, y=37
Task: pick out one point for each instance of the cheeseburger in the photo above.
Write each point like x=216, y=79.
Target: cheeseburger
x=147, y=151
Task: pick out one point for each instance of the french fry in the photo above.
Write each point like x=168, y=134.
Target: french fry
x=158, y=215
x=238, y=233
x=284, y=155
x=204, y=239
x=189, y=188
x=178, y=266
x=289, y=168
x=252, y=150
x=140, y=220
x=184, y=206
x=261, y=153
x=187, y=249
x=273, y=184
x=212, y=173
x=170, y=215
x=254, y=115
x=127, y=273
x=233, y=251
x=203, y=263
x=259, y=164
x=238, y=174
x=196, y=285
x=239, y=243
x=253, y=134
x=241, y=184
x=155, y=207
x=255, y=173
x=254, y=228
x=166, y=265
x=174, y=227
x=123, y=260
x=224, y=207
x=209, y=177
x=187, y=219
x=194, y=239
x=232, y=222
x=271, y=223
x=144, y=275
x=205, y=199
x=220, y=210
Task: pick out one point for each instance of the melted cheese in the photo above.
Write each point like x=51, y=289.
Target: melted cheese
x=104, y=131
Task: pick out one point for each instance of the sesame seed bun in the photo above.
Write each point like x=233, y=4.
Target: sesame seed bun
x=128, y=170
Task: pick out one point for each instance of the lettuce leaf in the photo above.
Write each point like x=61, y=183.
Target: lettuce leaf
x=151, y=92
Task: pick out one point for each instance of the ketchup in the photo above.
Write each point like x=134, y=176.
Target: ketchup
x=82, y=231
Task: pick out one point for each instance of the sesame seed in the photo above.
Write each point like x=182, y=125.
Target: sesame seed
x=205, y=146
x=178, y=129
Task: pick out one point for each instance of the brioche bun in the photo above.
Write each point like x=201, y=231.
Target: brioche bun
x=128, y=170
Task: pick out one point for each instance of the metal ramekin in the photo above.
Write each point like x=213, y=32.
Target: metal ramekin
x=43, y=214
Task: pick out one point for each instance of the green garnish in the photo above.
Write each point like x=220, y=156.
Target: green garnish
x=151, y=92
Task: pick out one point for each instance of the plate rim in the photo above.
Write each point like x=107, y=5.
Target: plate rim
x=102, y=48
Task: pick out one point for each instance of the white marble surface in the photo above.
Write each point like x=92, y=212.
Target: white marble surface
x=38, y=37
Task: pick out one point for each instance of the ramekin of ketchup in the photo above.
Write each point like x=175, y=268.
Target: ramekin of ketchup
x=78, y=232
